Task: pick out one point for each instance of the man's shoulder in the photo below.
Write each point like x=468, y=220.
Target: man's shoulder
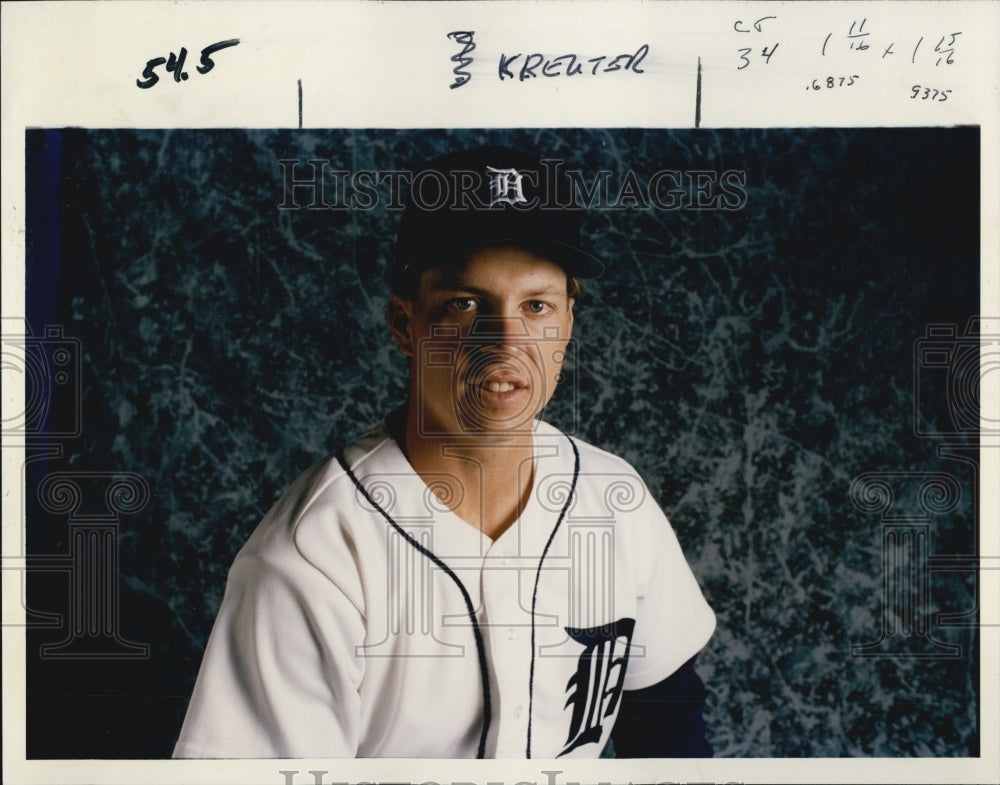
x=323, y=496
x=607, y=484
x=592, y=457
x=367, y=447
x=373, y=450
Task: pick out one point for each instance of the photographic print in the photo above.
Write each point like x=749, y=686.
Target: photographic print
x=502, y=440
x=774, y=303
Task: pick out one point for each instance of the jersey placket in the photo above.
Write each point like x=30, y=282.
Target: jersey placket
x=507, y=630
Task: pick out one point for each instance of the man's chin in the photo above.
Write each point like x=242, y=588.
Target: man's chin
x=496, y=431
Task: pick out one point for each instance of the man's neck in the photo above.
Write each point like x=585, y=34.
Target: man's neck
x=485, y=479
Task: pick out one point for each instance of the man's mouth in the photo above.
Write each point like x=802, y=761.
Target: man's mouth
x=499, y=387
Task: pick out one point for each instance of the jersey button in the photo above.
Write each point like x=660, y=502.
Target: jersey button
x=511, y=634
x=518, y=711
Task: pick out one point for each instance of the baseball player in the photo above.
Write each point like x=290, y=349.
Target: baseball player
x=464, y=580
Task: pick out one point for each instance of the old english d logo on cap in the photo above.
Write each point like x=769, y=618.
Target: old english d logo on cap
x=505, y=186
x=487, y=196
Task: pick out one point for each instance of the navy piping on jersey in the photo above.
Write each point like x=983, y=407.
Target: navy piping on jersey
x=477, y=633
x=538, y=575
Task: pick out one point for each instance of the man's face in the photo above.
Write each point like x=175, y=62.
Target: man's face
x=486, y=340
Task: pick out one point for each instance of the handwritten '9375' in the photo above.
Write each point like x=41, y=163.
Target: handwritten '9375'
x=175, y=64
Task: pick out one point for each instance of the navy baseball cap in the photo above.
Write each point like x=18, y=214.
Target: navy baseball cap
x=481, y=197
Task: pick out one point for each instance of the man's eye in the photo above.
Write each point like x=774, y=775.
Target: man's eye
x=463, y=304
x=538, y=307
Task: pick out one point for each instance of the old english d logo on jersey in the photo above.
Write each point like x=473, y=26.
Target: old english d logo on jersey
x=596, y=687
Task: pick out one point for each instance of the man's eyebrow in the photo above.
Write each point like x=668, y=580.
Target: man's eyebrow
x=456, y=284
x=453, y=284
x=550, y=289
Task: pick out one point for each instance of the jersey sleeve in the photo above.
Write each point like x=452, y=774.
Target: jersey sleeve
x=665, y=720
x=673, y=619
x=279, y=678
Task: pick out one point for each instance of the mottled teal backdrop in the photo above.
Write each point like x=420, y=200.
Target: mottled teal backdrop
x=751, y=363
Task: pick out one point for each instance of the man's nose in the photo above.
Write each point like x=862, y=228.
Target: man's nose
x=499, y=329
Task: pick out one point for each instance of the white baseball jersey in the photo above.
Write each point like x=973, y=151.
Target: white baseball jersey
x=364, y=619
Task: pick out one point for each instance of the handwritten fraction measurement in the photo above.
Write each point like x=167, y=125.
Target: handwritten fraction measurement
x=175, y=64
x=929, y=93
x=832, y=81
x=522, y=67
x=859, y=38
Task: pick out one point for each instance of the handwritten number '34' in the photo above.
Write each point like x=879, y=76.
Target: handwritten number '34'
x=745, y=55
x=176, y=64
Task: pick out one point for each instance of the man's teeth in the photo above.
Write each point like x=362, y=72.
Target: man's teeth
x=500, y=387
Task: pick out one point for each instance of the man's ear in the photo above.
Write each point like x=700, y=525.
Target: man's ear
x=398, y=313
